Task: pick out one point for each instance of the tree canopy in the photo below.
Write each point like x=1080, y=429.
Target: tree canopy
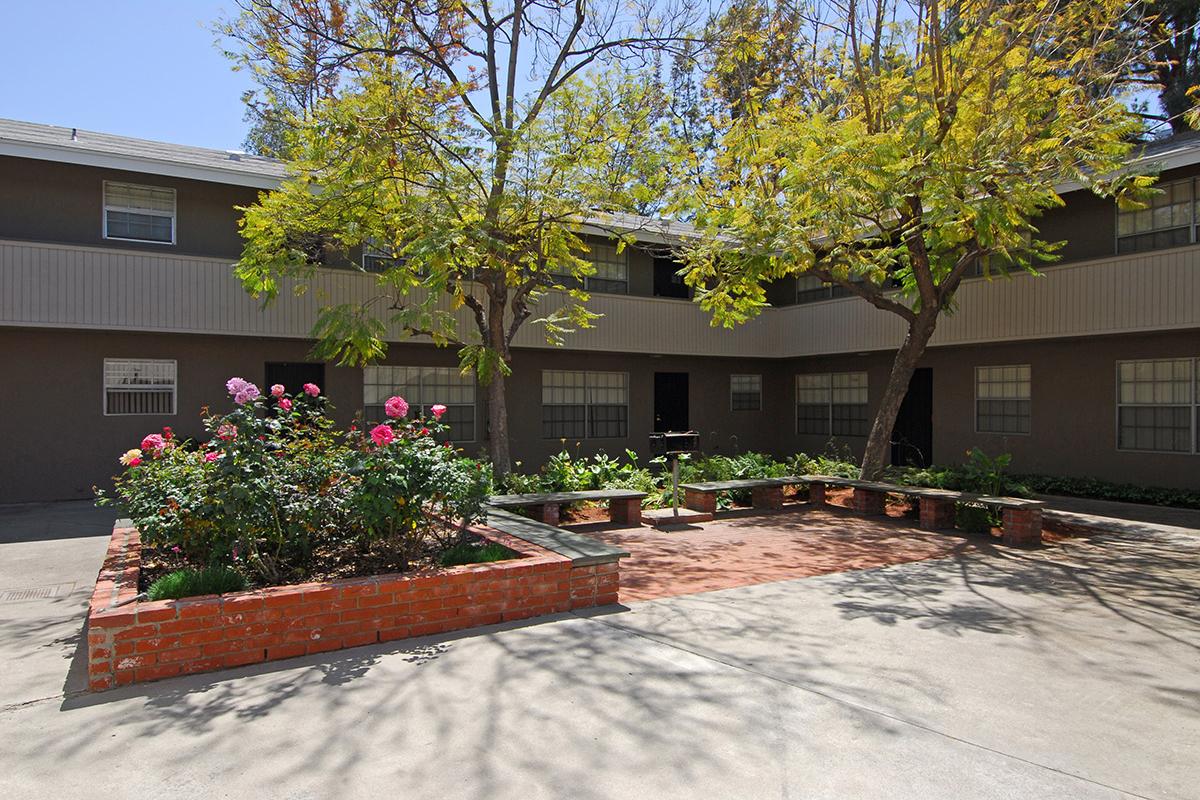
x=922, y=145
x=467, y=142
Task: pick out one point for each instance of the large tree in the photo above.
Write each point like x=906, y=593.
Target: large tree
x=925, y=140
x=468, y=141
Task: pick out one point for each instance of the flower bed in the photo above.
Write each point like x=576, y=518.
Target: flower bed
x=131, y=640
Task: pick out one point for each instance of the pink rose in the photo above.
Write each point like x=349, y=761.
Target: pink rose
x=227, y=431
x=133, y=462
x=277, y=390
x=153, y=443
x=437, y=410
x=211, y=457
x=382, y=435
x=236, y=385
x=248, y=393
x=311, y=389
x=396, y=407
x=285, y=404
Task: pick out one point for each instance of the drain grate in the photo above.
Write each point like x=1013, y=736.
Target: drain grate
x=35, y=593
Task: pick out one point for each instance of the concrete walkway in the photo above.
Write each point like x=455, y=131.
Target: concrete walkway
x=1065, y=672
x=1134, y=512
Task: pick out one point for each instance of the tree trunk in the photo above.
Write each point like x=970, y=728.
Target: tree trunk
x=877, y=454
x=497, y=413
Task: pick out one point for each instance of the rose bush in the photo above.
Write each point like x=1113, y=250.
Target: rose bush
x=277, y=485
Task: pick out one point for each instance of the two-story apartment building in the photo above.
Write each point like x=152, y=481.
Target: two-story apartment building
x=119, y=314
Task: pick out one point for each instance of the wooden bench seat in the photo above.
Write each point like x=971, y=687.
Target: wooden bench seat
x=1021, y=518
x=624, y=505
x=766, y=492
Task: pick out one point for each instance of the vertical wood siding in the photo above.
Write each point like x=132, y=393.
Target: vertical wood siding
x=88, y=287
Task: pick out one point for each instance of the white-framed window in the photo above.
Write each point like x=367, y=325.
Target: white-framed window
x=146, y=386
x=1169, y=220
x=585, y=405
x=832, y=404
x=811, y=289
x=745, y=392
x=423, y=387
x=1158, y=405
x=1003, y=399
x=612, y=271
x=138, y=213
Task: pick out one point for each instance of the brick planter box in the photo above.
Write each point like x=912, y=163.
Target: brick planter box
x=137, y=640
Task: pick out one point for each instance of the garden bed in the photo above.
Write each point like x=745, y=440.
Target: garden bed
x=132, y=640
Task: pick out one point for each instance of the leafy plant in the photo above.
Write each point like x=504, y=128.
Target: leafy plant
x=276, y=482
x=474, y=553
x=973, y=518
x=216, y=579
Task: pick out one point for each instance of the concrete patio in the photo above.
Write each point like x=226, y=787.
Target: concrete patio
x=1062, y=672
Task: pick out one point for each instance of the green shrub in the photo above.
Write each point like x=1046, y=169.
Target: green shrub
x=973, y=518
x=1108, y=490
x=192, y=582
x=276, y=482
x=475, y=553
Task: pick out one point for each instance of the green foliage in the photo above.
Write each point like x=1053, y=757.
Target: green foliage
x=469, y=145
x=1107, y=490
x=973, y=518
x=276, y=482
x=566, y=473
x=474, y=553
x=980, y=474
x=216, y=579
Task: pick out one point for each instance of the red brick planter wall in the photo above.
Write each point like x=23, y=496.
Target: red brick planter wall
x=132, y=641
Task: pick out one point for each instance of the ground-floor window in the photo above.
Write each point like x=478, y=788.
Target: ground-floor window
x=745, y=392
x=1003, y=399
x=832, y=403
x=585, y=405
x=139, y=386
x=423, y=387
x=1158, y=405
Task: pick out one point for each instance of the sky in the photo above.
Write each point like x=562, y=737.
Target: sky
x=142, y=68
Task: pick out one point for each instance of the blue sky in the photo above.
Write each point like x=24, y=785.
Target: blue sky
x=144, y=68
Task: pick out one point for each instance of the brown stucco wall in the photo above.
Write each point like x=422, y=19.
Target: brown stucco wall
x=58, y=444
x=1073, y=417
x=47, y=201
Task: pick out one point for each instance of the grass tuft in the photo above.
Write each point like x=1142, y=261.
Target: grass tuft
x=193, y=582
x=475, y=553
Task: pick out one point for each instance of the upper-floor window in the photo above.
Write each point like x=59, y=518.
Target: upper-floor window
x=139, y=213
x=745, y=392
x=139, y=386
x=832, y=404
x=1158, y=405
x=585, y=405
x=1167, y=221
x=1002, y=399
x=612, y=271
x=811, y=289
x=423, y=387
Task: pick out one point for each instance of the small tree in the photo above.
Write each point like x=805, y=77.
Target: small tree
x=466, y=141
x=924, y=142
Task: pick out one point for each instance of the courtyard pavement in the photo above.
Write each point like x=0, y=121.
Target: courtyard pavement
x=744, y=548
x=1066, y=672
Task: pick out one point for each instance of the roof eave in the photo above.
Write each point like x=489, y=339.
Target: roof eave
x=129, y=163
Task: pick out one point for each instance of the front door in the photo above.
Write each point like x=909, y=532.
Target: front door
x=912, y=437
x=670, y=401
x=294, y=374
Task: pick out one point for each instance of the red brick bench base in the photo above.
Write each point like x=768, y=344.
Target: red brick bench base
x=133, y=641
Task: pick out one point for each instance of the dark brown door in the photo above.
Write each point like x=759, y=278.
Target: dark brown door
x=670, y=401
x=912, y=436
x=294, y=374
